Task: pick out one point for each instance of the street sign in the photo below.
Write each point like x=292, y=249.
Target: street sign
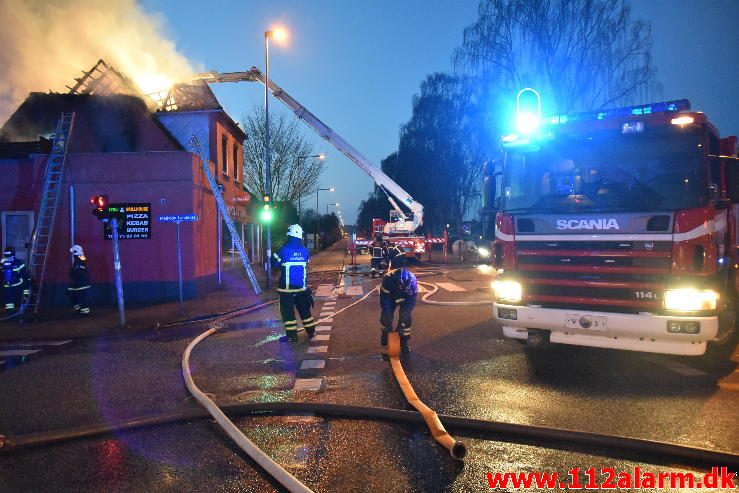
x=134, y=221
x=178, y=218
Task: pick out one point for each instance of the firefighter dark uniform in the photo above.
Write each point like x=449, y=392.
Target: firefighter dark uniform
x=292, y=258
x=398, y=289
x=80, y=286
x=378, y=249
x=16, y=283
x=396, y=256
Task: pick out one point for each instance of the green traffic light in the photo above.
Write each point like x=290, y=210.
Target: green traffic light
x=266, y=215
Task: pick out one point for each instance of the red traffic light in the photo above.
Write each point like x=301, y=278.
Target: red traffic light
x=101, y=205
x=99, y=201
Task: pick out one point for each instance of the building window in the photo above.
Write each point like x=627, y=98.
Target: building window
x=236, y=161
x=224, y=154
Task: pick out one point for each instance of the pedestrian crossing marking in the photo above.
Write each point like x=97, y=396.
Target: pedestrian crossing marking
x=317, y=349
x=323, y=328
x=328, y=321
x=321, y=337
x=19, y=352
x=354, y=291
x=450, y=286
x=312, y=364
x=324, y=290
x=329, y=303
x=308, y=384
x=327, y=314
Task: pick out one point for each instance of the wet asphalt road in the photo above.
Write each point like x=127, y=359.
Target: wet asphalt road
x=460, y=365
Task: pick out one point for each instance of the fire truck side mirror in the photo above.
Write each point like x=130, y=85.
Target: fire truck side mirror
x=713, y=193
x=731, y=170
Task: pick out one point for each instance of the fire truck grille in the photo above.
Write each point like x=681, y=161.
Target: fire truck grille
x=625, y=277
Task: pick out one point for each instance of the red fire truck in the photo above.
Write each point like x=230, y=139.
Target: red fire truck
x=618, y=229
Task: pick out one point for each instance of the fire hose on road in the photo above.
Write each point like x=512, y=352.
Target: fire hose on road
x=484, y=429
x=456, y=448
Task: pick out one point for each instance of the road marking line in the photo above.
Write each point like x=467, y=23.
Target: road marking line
x=311, y=364
x=19, y=352
x=321, y=338
x=327, y=314
x=323, y=328
x=327, y=303
x=317, y=349
x=36, y=343
x=328, y=321
x=308, y=384
x=450, y=286
x=678, y=368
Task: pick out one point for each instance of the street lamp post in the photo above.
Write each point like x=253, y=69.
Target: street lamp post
x=277, y=34
x=327, y=205
x=318, y=217
x=300, y=172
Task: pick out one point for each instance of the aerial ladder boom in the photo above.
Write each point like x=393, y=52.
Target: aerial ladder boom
x=380, y=178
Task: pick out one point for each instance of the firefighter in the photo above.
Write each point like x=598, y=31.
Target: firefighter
x=293, y=258
x=398, y=289
x=80, y=285
x=16, y=282
x=379, y=252
x=395, y=256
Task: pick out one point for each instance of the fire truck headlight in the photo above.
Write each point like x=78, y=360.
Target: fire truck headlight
x=690, y=300
x=507, y=290
x=483, y=252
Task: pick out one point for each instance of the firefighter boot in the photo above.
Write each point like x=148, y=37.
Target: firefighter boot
x=404, y=349
x=383, y=338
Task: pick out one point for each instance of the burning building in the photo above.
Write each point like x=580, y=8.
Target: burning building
x=134, y=149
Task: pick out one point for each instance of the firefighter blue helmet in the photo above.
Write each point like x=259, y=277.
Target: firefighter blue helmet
x=408, y=283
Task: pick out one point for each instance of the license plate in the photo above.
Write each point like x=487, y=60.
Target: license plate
x=585, y=321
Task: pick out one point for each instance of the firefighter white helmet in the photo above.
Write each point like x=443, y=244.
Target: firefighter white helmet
x=296, y=231
x=76, y=251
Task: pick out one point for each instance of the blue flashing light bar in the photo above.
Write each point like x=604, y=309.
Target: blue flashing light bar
x=646, y=109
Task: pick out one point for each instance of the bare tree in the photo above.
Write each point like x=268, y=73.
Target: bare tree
x=581, y=54
x=293, y=174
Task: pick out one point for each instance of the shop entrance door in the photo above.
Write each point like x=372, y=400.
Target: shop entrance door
x=17, y=229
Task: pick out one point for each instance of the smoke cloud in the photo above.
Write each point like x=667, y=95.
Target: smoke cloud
x=45, y=44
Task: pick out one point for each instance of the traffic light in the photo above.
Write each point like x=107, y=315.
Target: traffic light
x=266, y=214
x=101, y=207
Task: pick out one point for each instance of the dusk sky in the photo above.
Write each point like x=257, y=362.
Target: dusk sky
x=357, y=64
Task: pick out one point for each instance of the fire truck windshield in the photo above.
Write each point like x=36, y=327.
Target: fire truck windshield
x=656, y=171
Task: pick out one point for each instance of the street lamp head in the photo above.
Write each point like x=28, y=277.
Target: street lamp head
x=322, y=157
x=277, y=33
x=331, y=189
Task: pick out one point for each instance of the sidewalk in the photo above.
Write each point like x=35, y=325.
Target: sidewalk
x=236, y=292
